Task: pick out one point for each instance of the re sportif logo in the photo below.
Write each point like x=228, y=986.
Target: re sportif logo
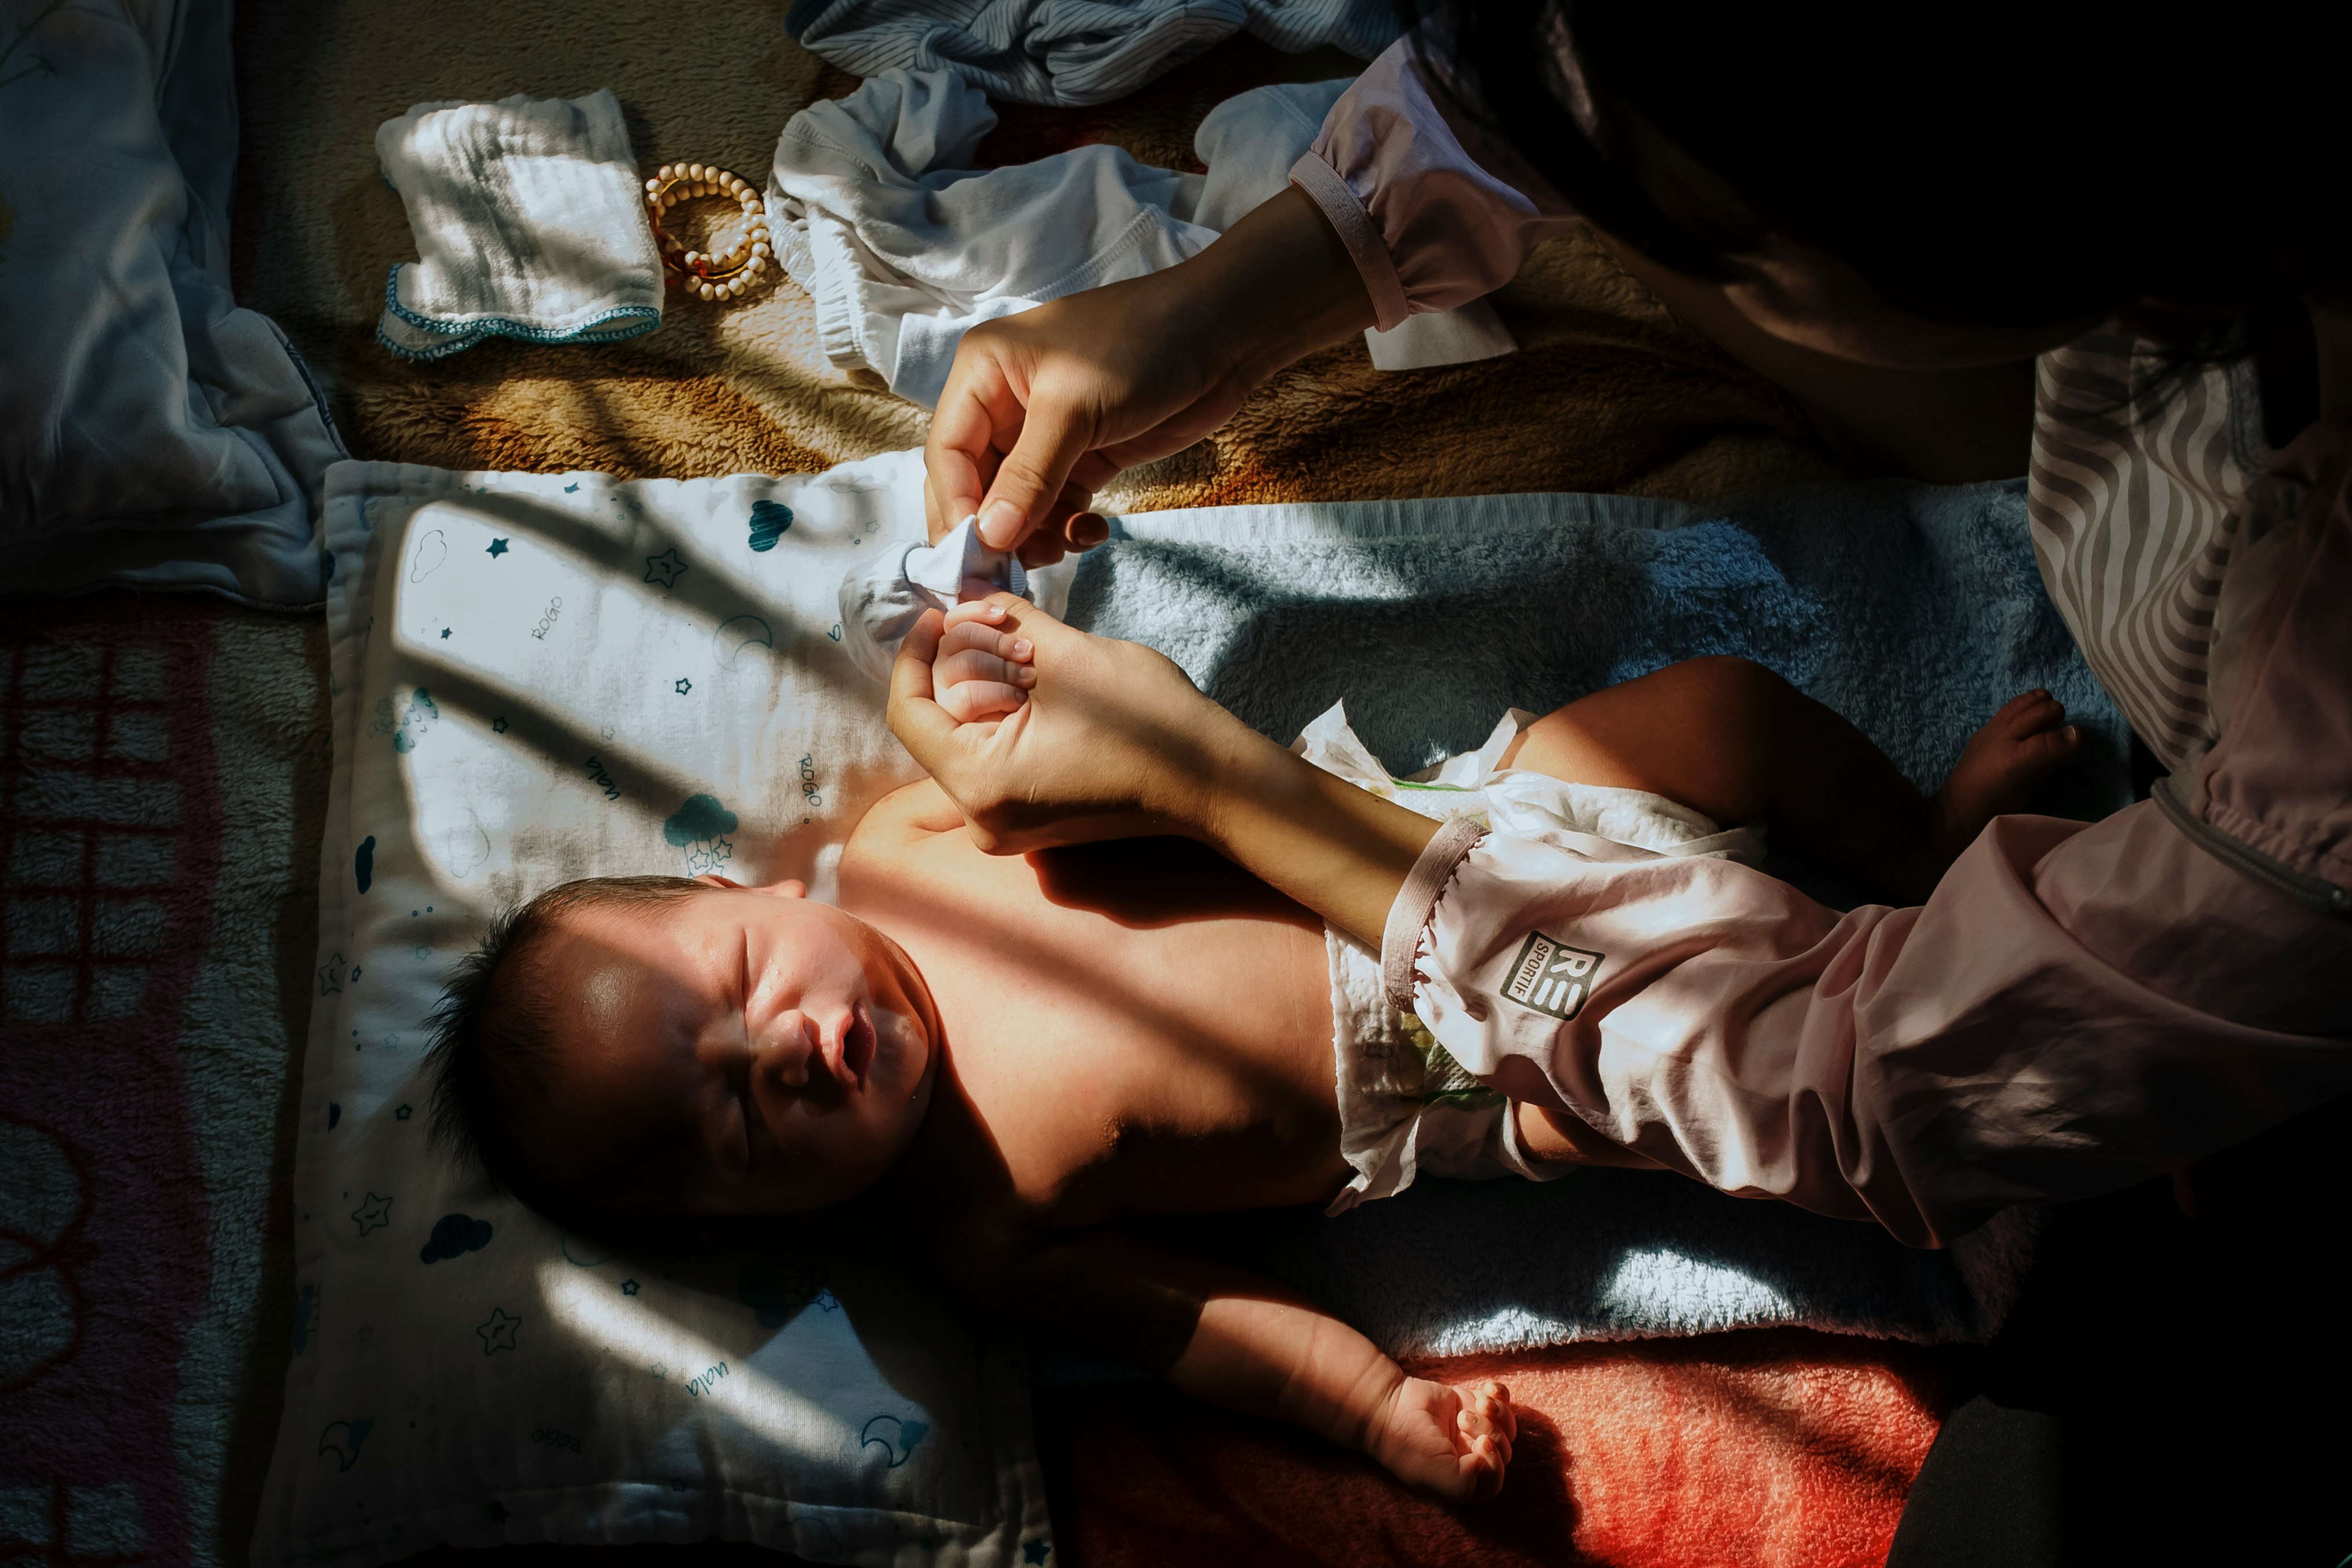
x=1550, y=976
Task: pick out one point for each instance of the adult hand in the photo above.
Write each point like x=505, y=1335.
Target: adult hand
x=1103, y=739
x=1041, y=409
x=1108, y=740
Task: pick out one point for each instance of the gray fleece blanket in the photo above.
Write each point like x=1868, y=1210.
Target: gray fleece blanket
x=1913, y=611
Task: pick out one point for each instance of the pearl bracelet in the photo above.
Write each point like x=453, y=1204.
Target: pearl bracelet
x=718, y=275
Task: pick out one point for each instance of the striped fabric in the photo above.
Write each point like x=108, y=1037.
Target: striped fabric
x=2136, y=499
x=1071, y=52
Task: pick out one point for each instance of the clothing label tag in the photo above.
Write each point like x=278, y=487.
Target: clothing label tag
x=1550, y=976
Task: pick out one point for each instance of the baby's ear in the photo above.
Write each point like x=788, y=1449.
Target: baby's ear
x=790, y=888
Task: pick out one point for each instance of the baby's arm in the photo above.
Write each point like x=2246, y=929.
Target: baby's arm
x=1249, y=1344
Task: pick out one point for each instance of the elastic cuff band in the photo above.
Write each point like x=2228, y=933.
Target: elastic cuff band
x=1416, y=901
x=1346, y=215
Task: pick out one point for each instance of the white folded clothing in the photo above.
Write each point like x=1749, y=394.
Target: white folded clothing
x=904, y=247
x=528, y=216
x=1071, y=52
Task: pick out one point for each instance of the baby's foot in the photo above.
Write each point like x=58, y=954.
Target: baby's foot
x=1454, y=1442
x=1999, y=769
x=982, y=672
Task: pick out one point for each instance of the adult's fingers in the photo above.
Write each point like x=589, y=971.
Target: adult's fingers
x=969, y=701
x=916, y=717
x=960, y=454
x=1054, y=434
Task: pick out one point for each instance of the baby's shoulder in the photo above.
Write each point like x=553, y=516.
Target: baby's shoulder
x=905, y=820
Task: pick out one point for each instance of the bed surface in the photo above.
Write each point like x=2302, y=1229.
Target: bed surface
x=164, y=767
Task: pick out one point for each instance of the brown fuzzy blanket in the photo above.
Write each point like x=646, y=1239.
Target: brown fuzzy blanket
x=1609, y=392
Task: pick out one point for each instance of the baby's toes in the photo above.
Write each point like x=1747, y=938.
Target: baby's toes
x=2028, y=714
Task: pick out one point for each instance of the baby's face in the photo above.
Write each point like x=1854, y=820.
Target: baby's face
x=743, y=1051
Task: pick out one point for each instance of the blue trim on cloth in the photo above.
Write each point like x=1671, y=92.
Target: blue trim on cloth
x=465, y=335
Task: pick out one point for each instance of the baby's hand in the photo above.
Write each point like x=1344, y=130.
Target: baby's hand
x=1453, y=1443
x=981, y=672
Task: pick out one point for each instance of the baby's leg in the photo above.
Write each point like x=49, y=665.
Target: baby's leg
x=1729, y=738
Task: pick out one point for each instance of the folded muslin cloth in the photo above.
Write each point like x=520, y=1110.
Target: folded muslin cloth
x=881, y=603
x=530, y=223
x=1072, y=52
x=904, y=247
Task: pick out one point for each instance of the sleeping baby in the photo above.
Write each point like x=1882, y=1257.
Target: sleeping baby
x=1022, y=1051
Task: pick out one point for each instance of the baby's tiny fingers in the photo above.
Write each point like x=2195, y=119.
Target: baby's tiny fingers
x=1494, y=1401
x=987, y=640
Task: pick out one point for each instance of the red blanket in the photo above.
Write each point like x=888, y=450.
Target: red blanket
x=1762, y=1448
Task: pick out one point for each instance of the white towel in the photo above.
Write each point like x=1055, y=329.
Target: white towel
x=904, y=247
x=1071, y=51
x=528, y=216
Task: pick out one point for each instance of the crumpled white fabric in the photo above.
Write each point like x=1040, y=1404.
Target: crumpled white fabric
x=1518, y=802
x=904, y=247
x=528, y=216
x=1071, y=52
x=881, y=603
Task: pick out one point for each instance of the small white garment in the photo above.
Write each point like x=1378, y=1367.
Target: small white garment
x=881, y=602
x=1071, y=52
x=905, y=248
x=528, y=216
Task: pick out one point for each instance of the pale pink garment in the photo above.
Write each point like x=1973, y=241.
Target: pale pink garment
x=2077, y=1007
x=1430, y=226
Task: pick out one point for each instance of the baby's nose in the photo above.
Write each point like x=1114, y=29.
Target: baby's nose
x=789, y=1049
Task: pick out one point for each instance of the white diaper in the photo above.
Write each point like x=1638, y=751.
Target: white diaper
x=1405, y=1106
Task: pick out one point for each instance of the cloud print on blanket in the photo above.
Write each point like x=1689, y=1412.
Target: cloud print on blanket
x=564, y=746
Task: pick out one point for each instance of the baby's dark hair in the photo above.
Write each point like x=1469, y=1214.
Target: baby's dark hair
x=494, y=1040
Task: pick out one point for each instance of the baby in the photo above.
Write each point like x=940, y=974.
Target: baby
x=1022, y=1051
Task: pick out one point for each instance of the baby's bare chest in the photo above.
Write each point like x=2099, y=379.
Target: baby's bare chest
x=1141, y=1028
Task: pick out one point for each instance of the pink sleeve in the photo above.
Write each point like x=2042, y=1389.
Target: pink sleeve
x=2077, y=1007
x=1436, y=212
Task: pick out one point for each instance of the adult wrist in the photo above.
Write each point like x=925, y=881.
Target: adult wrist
x=1278, y=286
x=1237, y=767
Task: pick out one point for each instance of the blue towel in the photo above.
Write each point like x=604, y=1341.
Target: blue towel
x=1915, y=612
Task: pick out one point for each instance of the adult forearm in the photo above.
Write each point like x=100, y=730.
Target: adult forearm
x=1338, y=850
x=1274, y=287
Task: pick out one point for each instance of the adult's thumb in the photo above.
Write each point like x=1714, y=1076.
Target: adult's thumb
x=1030, y=477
